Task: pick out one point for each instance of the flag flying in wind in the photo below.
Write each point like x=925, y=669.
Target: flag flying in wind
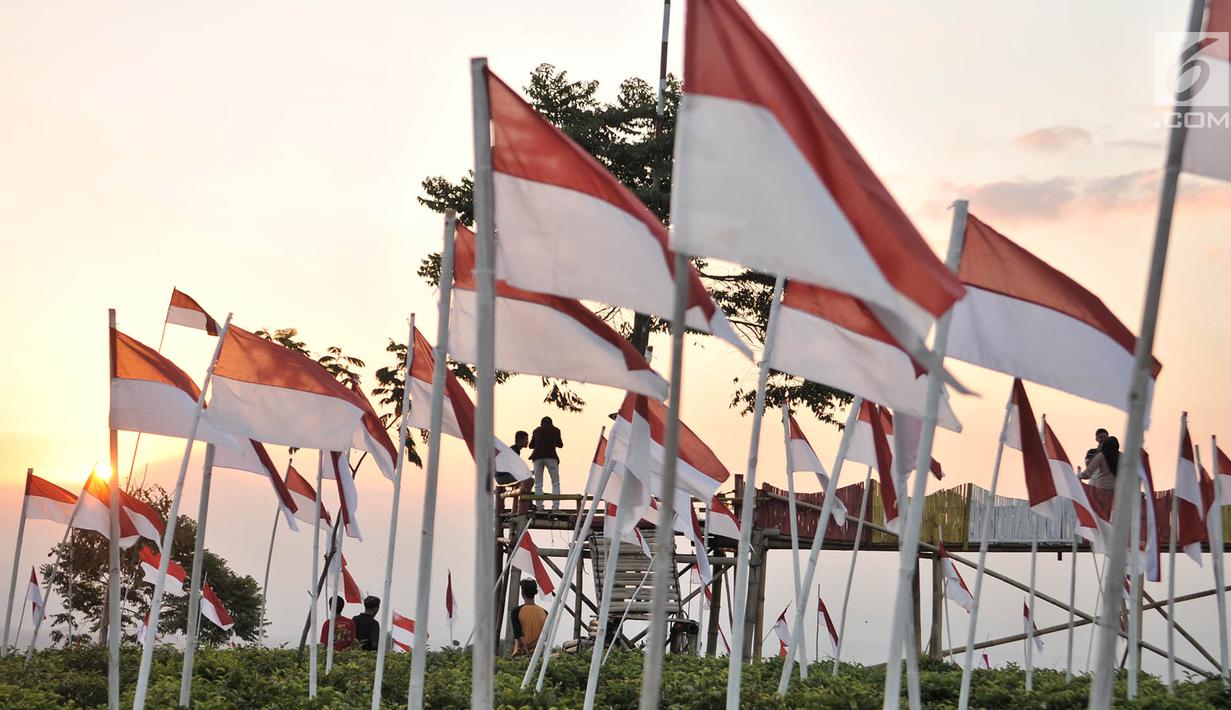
x=144, y=628
x=1207, y=147
x=338, y=469
x=784, y=633
x=94, y=511
x=458, y=412
x=631, y=534
x=862, y=447
x=1022, y=434
x=1090, y=525
x=1223, y=470
x=212, y=609
x=176, y=576
x=251, y=456
x=47, y=501
x=884, y=469
x=304, y=496
x=1030, y=629
x=955, y=587
x=34, y=595
x=596, y=465
x=801, y=457
x=568, y=227
x=1152, y=551
x=350, y=590
x=722, y=520
x=830, y=337
x=833, y=632
x=526, y=558
x=184, y=310
x=373, y=437
x=856, y=240
x=145, y=520
x=582, y=346
x=403, y=632
x=1023, y=317
x=699, y=473
x=450, y=601
x=1190, y=509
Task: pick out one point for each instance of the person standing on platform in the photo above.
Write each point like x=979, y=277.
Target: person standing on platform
x=543, y=445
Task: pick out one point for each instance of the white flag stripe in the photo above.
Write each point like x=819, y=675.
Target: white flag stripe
x=179, y=315
x=1207, y=147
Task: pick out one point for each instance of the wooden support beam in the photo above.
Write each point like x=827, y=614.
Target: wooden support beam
x=711, y=634
x=1187, y=636
x=938, y=603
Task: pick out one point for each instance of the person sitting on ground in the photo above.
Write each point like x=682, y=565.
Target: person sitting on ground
x=528, y=619
x=343, y=628
x=543, y=444
x=1101, y=472
x=367, y=628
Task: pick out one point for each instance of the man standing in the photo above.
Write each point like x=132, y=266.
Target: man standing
x=528, y=619
x=367, y=628
x=543, y=444
x=344, y=628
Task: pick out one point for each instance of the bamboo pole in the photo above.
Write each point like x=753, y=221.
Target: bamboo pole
x=269, y=560
x=1171, y=543
x=1216, y=549
x=21, y=534
x=113, y=623
x=850, y=574
x=1068, y=662
x=194, y=593
x=313, y=660
x=604, y=608
x=1034, y=557
x=790, y=484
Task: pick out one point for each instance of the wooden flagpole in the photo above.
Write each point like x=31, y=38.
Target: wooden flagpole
x=850, y=574
x=909, y=548
x=315, y=591
x=1215, y=529
x=1138, y=403
x=1068, y=662
x=198, y=563
x=21, y=534
x=147, y=652
x=114, y=630
x=790, y=485
x=269, y=560
x=427, y=531
x=818, y=539
x=985, y=534
x=382, y=645
x=743, y=555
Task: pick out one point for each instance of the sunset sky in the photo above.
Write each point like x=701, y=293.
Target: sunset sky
x=265, y=157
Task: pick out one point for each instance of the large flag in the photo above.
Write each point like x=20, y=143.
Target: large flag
x=94, y=511
x=450, y=601
x=1090, y=525
x=338, y=469
x=47, y=501
x=955, y=587
x=458, y=412
x=402, y=631
x=176, y=576
x=34, y=594
x=525, y=557
x=783, y=630
x=699, y=473
x=184, y=310
x=251, y=456
x=150, y=394
x=373, y=437
x=1022, y=434
x=830, y=337
x=212, y=609
x=821, y=609
x=551, y=336
x=1021, y=316
x=568, y=227
x=1030, y=629
x=304, y=496
x=722, y=520
x=801, y=457
x=812, y=210
x=1190, y=509
x=1207, y=147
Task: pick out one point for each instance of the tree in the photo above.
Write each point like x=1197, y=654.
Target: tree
x=620, y=135
x=83, y=579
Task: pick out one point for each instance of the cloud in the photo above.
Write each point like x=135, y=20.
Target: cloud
x=1054, y=139
x=1022, y=199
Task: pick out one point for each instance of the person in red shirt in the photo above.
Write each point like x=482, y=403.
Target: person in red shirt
x=344, y=628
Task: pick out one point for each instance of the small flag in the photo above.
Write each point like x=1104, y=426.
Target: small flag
x=403, y=632
x=784, y=633
x=801, y=457
x=338, y=468
x=722, y=521
x=184, y=310
x=1030, y=629
x=94, y=512
x=35, y=596
x=526, y=558
x=212, y=609
x=987, y=662
x=450, y=602
x=955, y=587
x=304, y=496
x=1023, y=434
x=833, y=632
x=1090, y=525
x=47, y=501
x=176, y=576
x=1190, y=509
x=1152, y=550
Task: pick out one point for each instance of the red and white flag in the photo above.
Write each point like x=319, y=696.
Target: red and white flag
x=47, y=501
x=150, y=394
x=1023, y=434
x=450, y=601
x=955, y=587
x=402, y=631
x=350, y=590
x=251, y=456
x=834, y=642
x=372, y=436
x=34, y=595
x=176, y=576
x=884, y=468
x=1152, y=550
x=1090, y=524
x=305, y=497
x=458, y=412
x=184, y=310
x=568, y=227
x=145, y=520
x=212, y=609
x=526, y=558
x=1190, y=509
x=596, y=465
x=144, y=628
x=722, y=520
x=1021, y=316
x=94, y=512
x=582, y=346
x=987, y=662
x=631, y=534
x=783, y=630
x=1222, y=467
x=1207, y=147
x=862, y=446
x=830, y=337
x=699, y=473
x=337, y=468
x=1030, y=628
x=744, y=105
x=801, y=457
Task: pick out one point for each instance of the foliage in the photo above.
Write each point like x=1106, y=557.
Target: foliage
x=82, y=577
x=620, y=134
x=250, y=677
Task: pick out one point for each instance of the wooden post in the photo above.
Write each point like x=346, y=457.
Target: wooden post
x=711, y=634
x=938, y=600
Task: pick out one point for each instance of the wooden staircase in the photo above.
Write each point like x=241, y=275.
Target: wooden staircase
x=632, y=568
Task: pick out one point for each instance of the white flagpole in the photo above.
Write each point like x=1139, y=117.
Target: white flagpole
x=985, y=534
x=114, y=628
x=1034, y=557
x=21, y=534
x=850, y=574
x=1135, y=568
x=427, y=532
x=269, y=560
x=743, y=555
x=168, y=537
x=790, y=485
x=1171, y=543
x=339, y=534
x=1068, y=663
x=909, y=644
x=604, y=604
x=21, y=618
x=909, y=547
x=483, y=651
x=1138, y=401
x=313, y=590
x=944, y=590
x=48, y=583
x=651, y=674
x=382, y=645
x=194, y=593
x=1216, y=549
x=797, y=629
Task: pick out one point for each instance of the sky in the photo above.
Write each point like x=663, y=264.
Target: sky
x=265, y=158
